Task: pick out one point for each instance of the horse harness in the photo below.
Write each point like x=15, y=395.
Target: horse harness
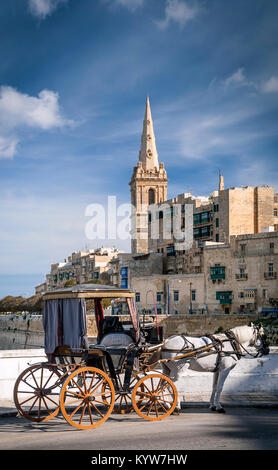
x=215, y=347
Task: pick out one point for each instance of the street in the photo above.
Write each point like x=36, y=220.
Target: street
x=194, y=429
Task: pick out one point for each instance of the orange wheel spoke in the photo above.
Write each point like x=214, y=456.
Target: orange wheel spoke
x=92, y=381
x=144, y=394
x=83, y=413
x=150, y=408
x=160, y=403
x=76, y=409
x=144, y=406
x=96, y=408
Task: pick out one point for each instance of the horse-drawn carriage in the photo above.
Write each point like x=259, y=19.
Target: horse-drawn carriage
x=83, y=381
x=121, y=371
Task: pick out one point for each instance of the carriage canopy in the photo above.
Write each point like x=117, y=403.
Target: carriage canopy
x=64, y=314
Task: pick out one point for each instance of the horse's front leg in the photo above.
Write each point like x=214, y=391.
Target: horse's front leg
x=223, y=374
x=214, y=387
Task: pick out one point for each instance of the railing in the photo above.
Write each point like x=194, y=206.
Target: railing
x=270, y=275
x=242, y=277
x=248, y=252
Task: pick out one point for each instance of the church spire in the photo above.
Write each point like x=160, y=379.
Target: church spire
x=148, y=153
x=221, y=182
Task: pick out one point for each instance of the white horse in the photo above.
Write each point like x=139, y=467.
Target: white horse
x=224, y=356
x=227, y=348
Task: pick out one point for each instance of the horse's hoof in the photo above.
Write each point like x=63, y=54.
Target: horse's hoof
x=176, y=411
x=212, y=408
x=221, y=410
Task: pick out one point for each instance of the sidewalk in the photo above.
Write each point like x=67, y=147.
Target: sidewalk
x=255, y=400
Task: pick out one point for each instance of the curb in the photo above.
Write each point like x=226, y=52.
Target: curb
x=184, y=406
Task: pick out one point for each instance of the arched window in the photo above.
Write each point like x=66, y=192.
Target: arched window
x=151, y=196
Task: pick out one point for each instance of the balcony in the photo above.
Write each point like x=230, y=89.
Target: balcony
x=270, y=275
x=217, y=273
x=242, y=277
x=224, y=297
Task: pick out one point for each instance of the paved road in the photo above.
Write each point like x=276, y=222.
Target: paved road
x=193, y=429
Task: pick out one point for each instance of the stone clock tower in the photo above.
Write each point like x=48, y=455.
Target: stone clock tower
x=148, y=185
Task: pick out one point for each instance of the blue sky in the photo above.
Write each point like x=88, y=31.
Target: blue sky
x=74, y=75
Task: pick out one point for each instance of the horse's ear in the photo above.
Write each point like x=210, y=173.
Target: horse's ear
x=252, y=324
x=260, y=325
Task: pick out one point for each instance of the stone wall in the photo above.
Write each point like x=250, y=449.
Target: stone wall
x=250, y=375
x=27, y=333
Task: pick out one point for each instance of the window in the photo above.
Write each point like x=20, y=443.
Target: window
x=124, y=276
x=96, y=275
x=171, y=250
x=217, y=237
x=137, y=297
x=176, y=295
x=216, y=207
x=196, y=219
x=275, y=212
x=159, y=296
x=264, y=294
x=193, y=295
x=271, y=247
x=151, y=196
x=242, y=248
x=241, y=295
x=270, y=269
x=217, y=222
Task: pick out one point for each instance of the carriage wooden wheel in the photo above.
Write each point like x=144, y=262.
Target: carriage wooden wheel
x=37, y=391
x=87, y=398
x=154, y=397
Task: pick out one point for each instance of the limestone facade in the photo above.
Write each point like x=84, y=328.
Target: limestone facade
x=227, y=212
x=219, y=278
x=82, y=266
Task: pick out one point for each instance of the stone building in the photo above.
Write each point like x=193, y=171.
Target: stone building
x=82, y=266
x=226, y=212
x=232, y=278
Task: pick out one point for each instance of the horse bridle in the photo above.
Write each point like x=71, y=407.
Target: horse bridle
x=264, y=350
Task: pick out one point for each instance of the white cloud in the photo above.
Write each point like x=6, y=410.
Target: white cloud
x=179, y=12
x=19, y=110
x=237, y=78
x=44, y=8
x=7, y=147
x=271, y=85
x=130, y=4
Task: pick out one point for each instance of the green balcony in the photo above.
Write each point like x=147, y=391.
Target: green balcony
x=217, y=272
x=224, y=297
